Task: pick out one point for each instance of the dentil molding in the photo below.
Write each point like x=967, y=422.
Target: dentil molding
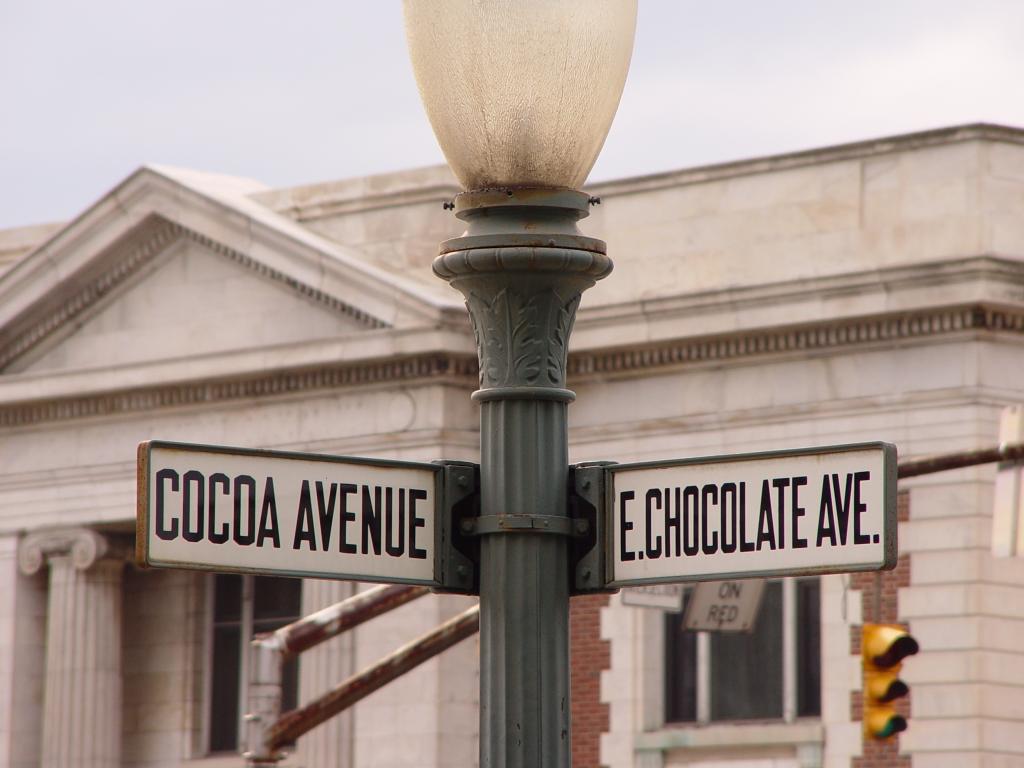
x=462, y=370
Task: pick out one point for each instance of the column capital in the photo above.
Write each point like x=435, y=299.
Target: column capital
x=84, y=546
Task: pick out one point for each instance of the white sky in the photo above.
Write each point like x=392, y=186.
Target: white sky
x=297, y=91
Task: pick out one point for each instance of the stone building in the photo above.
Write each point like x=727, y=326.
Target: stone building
x=872, y=291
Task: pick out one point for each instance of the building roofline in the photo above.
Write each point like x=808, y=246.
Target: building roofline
x=818, y=155
x=411, y=186
x=404, y=187
x=328, y=198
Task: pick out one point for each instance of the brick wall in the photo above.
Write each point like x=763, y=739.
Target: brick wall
x=589, y=656
x=884, y=609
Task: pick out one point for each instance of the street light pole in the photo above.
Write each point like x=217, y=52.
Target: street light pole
x=521, y=94
x=522, y=266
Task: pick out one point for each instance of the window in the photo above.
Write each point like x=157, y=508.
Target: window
x=771, y=673
x=244, y=606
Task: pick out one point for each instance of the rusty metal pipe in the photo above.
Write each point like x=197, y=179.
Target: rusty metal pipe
x=331, y=621
x=294, y=724
x=270, y=650
x=929, y=464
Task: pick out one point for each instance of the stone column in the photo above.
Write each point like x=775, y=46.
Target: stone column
x=328, y=745
x=82, y=693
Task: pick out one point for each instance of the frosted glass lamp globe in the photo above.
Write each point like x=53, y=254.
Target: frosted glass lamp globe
x=520, y=93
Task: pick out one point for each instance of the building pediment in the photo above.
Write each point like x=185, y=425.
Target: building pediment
x=174, y=264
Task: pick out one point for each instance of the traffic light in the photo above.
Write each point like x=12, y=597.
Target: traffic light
x=883, y=648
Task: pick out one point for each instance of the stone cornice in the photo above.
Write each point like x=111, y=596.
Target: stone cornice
x=331, y=208
x=804, y=339
x=818, y=156
x=430, y=366
x=15, y=242
x=359, y=348
x=145, y=243
x=901, y=291
x=139, y=249
x=461, y=369
x=348, y=196
x=999, y=272
x=316, y=201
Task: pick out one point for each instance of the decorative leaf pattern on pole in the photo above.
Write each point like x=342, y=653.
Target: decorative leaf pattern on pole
x=524, y=341
x=524, y=337
x=558, y=353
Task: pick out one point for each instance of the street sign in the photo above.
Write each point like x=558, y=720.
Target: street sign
x=779, y=513
x=724, y=606
x=665, y=597
x=289, y=514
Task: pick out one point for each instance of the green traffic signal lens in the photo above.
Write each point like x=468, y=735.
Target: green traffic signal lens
x=883, y=723
x=896, y=724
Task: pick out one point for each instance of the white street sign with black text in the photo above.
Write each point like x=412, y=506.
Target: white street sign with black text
x=818, y=510
x=724, y=606
x=664, y=597
x=270, y=512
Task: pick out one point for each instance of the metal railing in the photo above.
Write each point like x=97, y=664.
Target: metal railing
x=267, y=730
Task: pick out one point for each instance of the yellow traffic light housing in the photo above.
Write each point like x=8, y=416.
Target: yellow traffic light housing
x=883, y=648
